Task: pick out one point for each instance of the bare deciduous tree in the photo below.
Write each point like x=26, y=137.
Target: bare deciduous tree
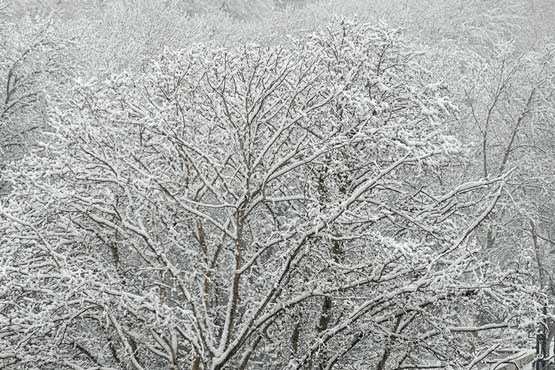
x=254, y=208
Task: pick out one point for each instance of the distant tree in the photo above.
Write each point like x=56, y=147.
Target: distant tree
x=260, y=208
x=34, y=66
x=504, y=90
x=505, y=100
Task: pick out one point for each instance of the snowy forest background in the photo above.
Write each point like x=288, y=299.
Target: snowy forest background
x=348, y=184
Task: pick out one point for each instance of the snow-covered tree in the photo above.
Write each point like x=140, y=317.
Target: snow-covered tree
x=252, y=208
x=34, y=65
